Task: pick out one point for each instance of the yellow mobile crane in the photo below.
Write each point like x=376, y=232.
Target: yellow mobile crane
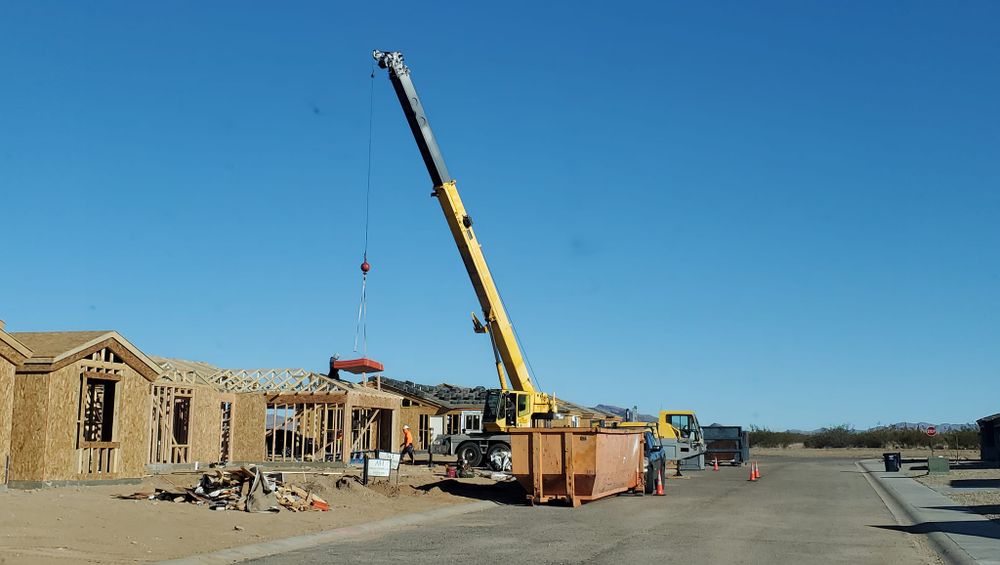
x=516, y=405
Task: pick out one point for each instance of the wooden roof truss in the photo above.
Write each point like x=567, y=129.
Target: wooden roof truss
x=253, y=380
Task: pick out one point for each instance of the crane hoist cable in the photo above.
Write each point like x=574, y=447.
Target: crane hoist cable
x=361, y=329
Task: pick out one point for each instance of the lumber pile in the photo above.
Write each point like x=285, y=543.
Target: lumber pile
x=244, y=489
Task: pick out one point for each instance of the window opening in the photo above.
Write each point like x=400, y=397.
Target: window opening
x=99, y=410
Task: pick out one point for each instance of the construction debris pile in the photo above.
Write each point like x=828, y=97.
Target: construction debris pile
x=244, y=489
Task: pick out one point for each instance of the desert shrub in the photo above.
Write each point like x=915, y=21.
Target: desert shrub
x=838, y=436
x=763, y=437
x=962, y=439
x=876, y=438
x=872, y=439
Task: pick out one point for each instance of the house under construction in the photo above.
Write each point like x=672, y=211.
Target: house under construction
x=203, y=413
x=80, y=408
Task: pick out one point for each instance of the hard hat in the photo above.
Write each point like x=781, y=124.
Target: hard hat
x=406, y=427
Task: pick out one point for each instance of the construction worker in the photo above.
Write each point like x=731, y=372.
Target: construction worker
x=407, y=447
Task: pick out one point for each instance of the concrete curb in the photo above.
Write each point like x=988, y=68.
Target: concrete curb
x=274, y=547
x=949, y=551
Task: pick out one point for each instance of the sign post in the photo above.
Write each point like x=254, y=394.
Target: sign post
x=931, y=431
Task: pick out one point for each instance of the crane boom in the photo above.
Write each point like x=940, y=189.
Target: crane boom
x=505, y=344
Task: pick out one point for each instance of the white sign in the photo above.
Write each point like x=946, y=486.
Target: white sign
x=377, y=468
x=392, y=458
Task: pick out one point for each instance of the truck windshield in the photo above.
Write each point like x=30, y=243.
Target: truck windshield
x=492, y=406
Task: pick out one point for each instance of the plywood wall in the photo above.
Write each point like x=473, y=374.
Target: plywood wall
x=131, y=425
x=206, y=423
x=134, y=407
x=410, y=416
x=248, y=427
x=28, y=427
x=6, y=404
x=61, y=430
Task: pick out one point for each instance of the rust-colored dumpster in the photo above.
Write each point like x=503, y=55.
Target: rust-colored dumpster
x=576, y=465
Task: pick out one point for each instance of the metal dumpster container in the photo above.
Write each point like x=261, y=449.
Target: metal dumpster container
x=726, y=444
x=576, y=465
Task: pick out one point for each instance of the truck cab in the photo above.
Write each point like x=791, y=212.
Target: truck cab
x=679, y=434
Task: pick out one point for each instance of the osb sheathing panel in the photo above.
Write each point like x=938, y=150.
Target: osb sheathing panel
x=410, y=416
x=61, y=432
x=27, y=449
x=248, y=427
x=6, y=405
x=206, y=424
x=134, y=407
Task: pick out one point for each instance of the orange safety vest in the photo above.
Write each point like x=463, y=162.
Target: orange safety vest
x=407, y=438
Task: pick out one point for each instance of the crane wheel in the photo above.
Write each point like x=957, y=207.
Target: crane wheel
x=471, y=453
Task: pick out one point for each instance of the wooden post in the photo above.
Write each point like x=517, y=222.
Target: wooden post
x=274, y=430
x=284, y=431
x=345, y=455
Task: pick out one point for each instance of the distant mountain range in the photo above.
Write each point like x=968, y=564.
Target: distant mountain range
x=941, y=428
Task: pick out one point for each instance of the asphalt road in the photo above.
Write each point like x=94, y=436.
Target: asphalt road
x=801, y=511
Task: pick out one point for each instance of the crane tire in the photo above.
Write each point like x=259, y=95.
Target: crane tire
x=471, y=453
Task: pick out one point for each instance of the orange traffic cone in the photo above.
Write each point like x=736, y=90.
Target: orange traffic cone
x=756, y=469
x=659, y=483
x=715, y=466
x=753, y=475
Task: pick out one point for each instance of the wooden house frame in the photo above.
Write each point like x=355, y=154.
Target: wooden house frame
x=12, y=354
x=295, y=415
x=193, y=419
x=80, y=409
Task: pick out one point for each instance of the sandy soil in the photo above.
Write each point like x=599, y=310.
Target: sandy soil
x=90, y=525
x=983, y=494
x=861, y=453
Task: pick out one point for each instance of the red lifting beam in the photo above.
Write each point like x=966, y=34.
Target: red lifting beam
x=358, y=366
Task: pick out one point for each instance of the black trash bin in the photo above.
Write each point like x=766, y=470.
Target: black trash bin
x=892, y=461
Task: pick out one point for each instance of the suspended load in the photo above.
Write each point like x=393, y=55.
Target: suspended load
x=358, y=366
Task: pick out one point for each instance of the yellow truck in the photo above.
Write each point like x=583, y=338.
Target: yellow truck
x=680, y=435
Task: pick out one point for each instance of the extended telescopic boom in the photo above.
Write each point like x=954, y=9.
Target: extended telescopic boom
x=501, y=332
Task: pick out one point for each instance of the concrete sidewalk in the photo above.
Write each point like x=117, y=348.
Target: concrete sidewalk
x=960, y=535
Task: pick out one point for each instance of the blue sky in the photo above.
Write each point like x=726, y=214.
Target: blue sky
x=782, y=214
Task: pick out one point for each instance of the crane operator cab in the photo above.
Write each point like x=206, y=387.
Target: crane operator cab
x=507, y=409
x=686, y=424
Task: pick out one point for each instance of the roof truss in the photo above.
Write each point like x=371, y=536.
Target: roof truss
x=252, y=380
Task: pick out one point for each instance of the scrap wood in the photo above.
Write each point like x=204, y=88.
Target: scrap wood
x=244, y=489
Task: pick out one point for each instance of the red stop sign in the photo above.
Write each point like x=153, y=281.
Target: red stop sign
x=931, y=431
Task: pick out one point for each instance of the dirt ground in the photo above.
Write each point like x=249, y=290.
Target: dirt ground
x=90, y=525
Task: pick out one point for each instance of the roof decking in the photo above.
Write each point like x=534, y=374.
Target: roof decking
x=53, y=350
x=11, y=349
